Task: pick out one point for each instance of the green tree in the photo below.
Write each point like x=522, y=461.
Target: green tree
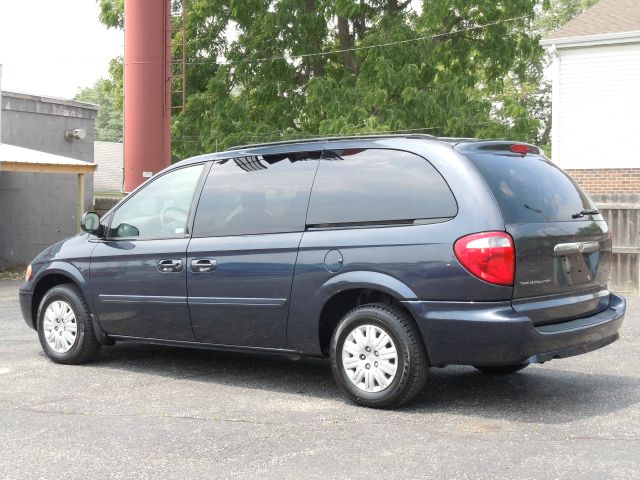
x=560, y=12
x=261, y=70
x=107, y=94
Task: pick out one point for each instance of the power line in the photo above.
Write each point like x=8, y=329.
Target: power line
x=197, y=139
x=331, y=52
x=380, y=45
x=324, y=53
x=363, y=47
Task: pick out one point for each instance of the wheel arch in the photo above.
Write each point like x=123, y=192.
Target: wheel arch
x=56, y=273
x=45, y=282
x=344, y=292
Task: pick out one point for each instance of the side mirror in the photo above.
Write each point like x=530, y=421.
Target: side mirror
x=90, y=223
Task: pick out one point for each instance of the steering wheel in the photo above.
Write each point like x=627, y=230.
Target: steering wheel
x=168, y=222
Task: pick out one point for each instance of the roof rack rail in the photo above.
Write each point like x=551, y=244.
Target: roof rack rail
x=459, y=139
x=336, y=137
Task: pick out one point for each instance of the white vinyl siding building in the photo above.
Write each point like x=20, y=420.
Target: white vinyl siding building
x=596, y=97
x=596, y=106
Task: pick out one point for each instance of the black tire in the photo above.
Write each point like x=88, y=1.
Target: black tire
x=85, y=346
x=412, y=362
x=500, y=369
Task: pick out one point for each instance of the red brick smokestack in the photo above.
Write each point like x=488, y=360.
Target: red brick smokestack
x=147, y=89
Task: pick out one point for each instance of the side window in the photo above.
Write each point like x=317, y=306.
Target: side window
x=377, y=185
x=257, y=194
x=160, y=209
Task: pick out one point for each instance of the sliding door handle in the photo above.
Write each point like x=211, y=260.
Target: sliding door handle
x=203, y=265
x=166, y=266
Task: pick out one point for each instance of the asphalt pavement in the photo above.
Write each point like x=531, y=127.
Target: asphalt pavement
x=145, y=411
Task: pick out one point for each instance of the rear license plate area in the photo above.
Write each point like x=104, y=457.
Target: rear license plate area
x=572, y=270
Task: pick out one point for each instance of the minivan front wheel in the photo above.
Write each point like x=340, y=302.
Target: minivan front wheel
x=65, y=330
x=377, y=356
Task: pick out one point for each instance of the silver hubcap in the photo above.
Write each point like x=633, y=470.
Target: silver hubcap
x=60, y=326
x=370, y=358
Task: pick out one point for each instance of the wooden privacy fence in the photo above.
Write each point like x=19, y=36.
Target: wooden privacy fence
x=622, y=214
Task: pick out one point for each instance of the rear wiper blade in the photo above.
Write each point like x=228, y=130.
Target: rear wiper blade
x=582, y=213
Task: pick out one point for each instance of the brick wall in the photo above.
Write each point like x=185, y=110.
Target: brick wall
x=607, y=180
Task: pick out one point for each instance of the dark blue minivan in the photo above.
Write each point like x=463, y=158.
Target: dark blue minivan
x=386, y=254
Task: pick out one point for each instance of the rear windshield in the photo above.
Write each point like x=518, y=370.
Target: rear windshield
x=530, y=189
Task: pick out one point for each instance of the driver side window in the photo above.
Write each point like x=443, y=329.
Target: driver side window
x=160, y=209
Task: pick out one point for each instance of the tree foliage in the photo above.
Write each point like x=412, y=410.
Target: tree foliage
x=262, y=70
x=106, y=93
x=560, y=12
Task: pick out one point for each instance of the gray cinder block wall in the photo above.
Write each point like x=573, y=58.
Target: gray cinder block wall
x=39, y=209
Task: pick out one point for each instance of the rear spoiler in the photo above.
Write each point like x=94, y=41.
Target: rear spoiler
x=485, y=146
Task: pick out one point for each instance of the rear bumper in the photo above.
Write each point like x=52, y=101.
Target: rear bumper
x=493, y=333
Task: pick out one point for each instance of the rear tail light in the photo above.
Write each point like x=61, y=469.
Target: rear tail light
x=489, y=256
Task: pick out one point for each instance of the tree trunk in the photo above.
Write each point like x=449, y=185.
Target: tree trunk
x=346, y=42
x=545, y=138
x=317, y=62
x=393, y=7
x=360, y=25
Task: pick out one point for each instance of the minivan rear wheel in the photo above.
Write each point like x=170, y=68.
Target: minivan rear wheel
x=378, y=357
x=65, y=330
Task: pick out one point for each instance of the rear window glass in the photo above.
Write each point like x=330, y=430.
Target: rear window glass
x=530, y=189
x=377, y=185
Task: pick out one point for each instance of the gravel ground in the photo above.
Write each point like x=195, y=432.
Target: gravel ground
x=155, y=412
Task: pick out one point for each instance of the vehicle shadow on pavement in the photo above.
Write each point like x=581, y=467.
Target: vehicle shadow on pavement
x=535, y=395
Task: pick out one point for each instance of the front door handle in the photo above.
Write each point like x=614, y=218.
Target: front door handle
x=202, y=265
x=166, y=266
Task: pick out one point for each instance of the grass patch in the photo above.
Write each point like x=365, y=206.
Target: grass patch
x=109, y=194
x=12, y=273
